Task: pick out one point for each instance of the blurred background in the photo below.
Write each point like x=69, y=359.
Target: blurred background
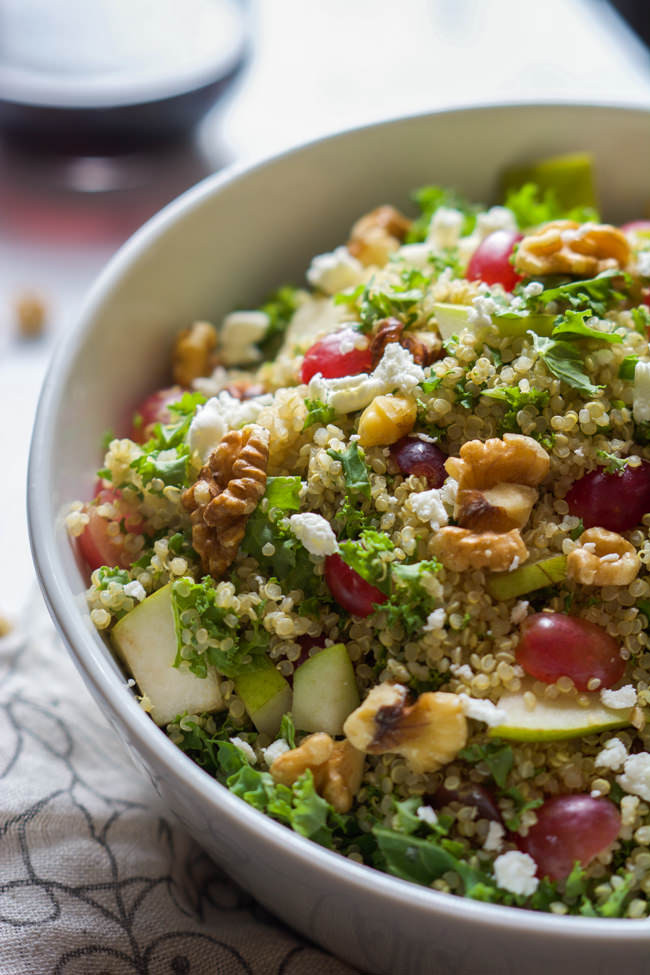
x=110, y=109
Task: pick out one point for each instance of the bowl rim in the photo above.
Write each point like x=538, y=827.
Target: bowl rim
x=152, y=743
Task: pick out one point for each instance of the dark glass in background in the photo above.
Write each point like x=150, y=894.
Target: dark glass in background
x=637, y=14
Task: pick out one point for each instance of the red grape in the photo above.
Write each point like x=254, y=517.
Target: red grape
x=337, y=355
x=349, y=589
x=469, y=794
x=97, y=545
x=490, y=262
x=554, y=645
x=616, y=501
x=570, y=828
x=154, y=409
x=416, y=456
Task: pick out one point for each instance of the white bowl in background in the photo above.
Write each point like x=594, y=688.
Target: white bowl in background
x=226, y=244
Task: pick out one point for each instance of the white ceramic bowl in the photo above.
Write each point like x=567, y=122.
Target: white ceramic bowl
x=222, y=245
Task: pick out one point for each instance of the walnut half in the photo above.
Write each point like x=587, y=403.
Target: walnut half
x=567, y=247
x=226, y=492
x=376, y=235
x=193, y=354
x=337, y=768
x=603, y=558
x=428, y=733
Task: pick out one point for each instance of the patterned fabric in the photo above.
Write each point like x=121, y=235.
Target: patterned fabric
x=95, y=877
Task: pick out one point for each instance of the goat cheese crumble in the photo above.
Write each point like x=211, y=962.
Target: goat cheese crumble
x=314, y=532
x=515, y=871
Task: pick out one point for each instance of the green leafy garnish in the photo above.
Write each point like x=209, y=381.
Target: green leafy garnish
x=497, y=756
x=410, y=603
x=431, y=198
x=169, y=466
x=447, y=259
x=572, y=325
x=280, y=307
x=396, y=302
x=563, y=360
x=641, y=318
x=594, y=294
x=532, y=206
x=365, y=557
x=627, y=368
x=354, y=469
x=318, y=412
x=516, y=401
x=612, y=463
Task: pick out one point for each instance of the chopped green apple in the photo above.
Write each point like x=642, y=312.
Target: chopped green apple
x=527, y=578
x=145, y=639
x=452, y=319
x=325, y=691
x=570, y=176
x=265, y=693
x=552, y=720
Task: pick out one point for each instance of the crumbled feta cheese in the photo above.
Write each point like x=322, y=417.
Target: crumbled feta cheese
x=494, y=838
x=245, y=748
x=496, y=218
x=641, y=393
x=427, y=815
x=416, y=255
x=240, y=331
x=629, y=810
x=463, y=671
x=428, y=506
x=635, y=777
x=135, y=590
x=435, y=620
x=315, y=533
x=515, y=871
x=479, y=315
x=445, y=227
x=347, y=394
x=212, y=384
x=274, y=751
x=643, y=264
x=220, y=414
x=612, y=755
x=624, y=697
x=335, y=271
x=482, y=710
x=519, y=611
x=533, y=289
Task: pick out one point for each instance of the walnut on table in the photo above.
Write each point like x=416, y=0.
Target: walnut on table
x=567, y=247
x=429, y=732
x=227, y=491
x=603, y=558
x=193, y=354
x=376, y=235
x=336, y=766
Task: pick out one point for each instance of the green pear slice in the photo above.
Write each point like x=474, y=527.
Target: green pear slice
x=265, y=693
x=325, y=691
x=570, y=176
x=527, y=578
x=557, y=719
x=145, y=639
x=452, y=319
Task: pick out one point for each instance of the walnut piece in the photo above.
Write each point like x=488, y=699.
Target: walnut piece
x=227, y=490
x=513, y=459
x=193, y=353
x=459, y=549
x=603, y=558
x=497, y=509
x=567, y=247
x=386, y=419
x=337, y=768
x=425, y=347
x=376, y=235
x=428, y=733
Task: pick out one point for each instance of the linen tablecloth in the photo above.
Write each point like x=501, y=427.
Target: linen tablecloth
x=95, y=875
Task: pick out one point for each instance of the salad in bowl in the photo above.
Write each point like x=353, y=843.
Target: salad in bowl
x=376, y=558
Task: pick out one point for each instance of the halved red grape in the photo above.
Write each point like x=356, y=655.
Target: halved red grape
x=568, y=829
x=97, y=545
x=616, y=501
x=349, y=589
x=555, y=645
x=337, y=355
x=154, y=409
x=414, y=455
x=490, y=262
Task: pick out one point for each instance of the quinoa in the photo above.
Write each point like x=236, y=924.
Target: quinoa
x=445, y=630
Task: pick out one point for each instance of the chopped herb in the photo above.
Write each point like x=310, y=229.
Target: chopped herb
x=612, y=463
x=365, y=557
x=397, y=302
x=522, y=805
x=577, y=531
x=280, y=308
x=431, y=384
x=516, y=401
x=497, y=756
x=591, y=294
x=354, y=469
x=531, y=206
x=564, y=362
x=572, y=325
x=641, y=318
x=431, y=198
x=627, y=368
x=447, y=259
x=410, y=602
x=170, y=466
x=318, y=412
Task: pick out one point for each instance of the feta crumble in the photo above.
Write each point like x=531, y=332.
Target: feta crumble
x=274, y=751
x=245, y=748
x=643, y=264
x=479, y=315
x=219, y=415
x=240, y=331
x=427, y=815
x=533, y=289
x=519, y=611
x=612, y=755
x=445, y=228
x=397, y=371
x=335, y=271
x=481, y=710
x=635, y=777
x=515, y=871
x=494, y=838
x=624, y=697
x=428, y=507
x=435, y=620
x=464, y=671
x=135, y=590
x=315, y=533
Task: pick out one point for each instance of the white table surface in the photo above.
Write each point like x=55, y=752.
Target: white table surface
x=315, y=68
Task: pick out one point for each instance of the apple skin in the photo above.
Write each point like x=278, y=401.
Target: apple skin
x=555, y=720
